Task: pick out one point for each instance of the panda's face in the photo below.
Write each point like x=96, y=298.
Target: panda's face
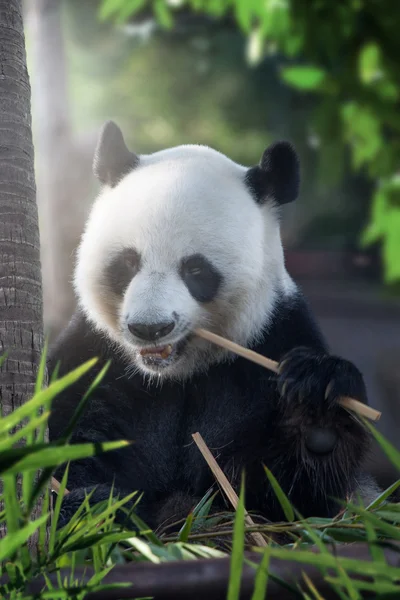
x=179, y=243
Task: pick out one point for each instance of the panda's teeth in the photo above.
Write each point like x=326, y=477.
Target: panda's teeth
x=166, y=351
x=162, y=352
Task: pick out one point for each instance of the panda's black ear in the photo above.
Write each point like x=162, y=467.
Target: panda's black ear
x=277, y=177
x=112, y=159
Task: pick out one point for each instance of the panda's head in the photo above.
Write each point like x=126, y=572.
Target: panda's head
x=180, y=239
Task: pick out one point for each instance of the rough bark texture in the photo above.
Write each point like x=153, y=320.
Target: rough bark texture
x=63, y=163
x=21, y=327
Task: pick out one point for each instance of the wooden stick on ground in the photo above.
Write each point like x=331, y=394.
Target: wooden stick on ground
x=224, y=483
x=55, y=485
x=272, y=365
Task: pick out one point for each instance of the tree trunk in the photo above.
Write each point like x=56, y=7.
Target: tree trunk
x=21, y=323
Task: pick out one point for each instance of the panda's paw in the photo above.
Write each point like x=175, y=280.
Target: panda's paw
x=317, y=380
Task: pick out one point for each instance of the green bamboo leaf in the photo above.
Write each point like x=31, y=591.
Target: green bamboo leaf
x=376, y=551
x=43, y=526
x=383, y=496
x=204, y=551
x=98, y=539
x=345, y=535
x=54, y=456
x=82, y=405
x=43, y=398
x=261, y=578
x=40, y=378
x=330, y=561
x=56, y=510
x=89, y=522
x=144, y=549
x=12, y=542
x=11, y=505
x=280, y=494
x=185, y=530
x=347, y=583
x=144, y=529
x=24, y=432
x=366, y=516
x=384, y=591
x=237, y=556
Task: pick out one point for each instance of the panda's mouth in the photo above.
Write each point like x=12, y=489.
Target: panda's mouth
x=162, y=352
x=162, y=356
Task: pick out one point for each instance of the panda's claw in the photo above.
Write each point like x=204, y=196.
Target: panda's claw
x=317, y=380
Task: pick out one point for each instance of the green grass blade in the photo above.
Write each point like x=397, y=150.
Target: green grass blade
x=383, y=496
x=54, y=456
x=43, y=398
x=184, y=532
x=56, y=510
x=12, y=542
x=144, y=549
x=43, y=526
x=54, y=374
x=11, y=504
x=379, y=524
x=82, y=405
x=360, y=567
x=261, y=578
x=236, y=563
x=40, y=378
x=24, y=432
x=280, y=494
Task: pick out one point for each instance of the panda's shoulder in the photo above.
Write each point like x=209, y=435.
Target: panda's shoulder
x=291, y=323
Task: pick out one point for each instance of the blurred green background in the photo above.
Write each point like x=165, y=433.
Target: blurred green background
x=237, y=74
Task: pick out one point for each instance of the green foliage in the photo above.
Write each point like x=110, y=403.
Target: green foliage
x=347, y=52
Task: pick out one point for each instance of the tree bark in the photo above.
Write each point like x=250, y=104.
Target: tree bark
x=21, y=322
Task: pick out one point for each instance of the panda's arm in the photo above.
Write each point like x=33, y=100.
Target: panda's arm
x=313, y=446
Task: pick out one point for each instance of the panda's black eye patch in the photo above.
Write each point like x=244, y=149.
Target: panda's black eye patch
x=122, y=269
x=200, y=277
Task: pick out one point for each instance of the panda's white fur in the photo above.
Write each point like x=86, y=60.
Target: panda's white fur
x=178, y=202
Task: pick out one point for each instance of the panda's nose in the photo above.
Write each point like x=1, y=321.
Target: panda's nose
x=151, y=332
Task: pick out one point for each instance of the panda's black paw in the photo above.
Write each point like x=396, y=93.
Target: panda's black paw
x=316, y=380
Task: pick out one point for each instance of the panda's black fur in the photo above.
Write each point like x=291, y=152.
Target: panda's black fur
x=248, y=416
x=237, y=408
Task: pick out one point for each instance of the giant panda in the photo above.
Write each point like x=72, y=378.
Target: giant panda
x=176, y=240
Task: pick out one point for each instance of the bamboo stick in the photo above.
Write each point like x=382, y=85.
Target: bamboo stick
x=55, y=485
x=272, y=365
x=225, y=485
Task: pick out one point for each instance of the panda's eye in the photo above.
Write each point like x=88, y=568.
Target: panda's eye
x=122, y=269
x=200, y=277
